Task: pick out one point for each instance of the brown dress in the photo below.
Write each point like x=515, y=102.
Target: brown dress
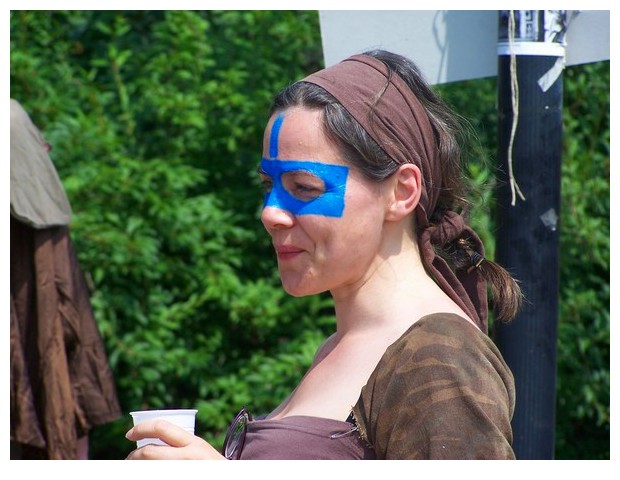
x=441, y=391
x=304, y=438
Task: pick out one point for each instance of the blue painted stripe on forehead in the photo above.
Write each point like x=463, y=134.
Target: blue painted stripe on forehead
x=275, y=134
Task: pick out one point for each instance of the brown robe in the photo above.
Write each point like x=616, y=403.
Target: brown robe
x=61, y=383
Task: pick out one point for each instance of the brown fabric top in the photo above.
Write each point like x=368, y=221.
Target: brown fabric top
x=61, y=384
x=442, y=391
x=387, y=109
x=303, y=438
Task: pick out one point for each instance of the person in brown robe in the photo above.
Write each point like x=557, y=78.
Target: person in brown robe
x=61, y=383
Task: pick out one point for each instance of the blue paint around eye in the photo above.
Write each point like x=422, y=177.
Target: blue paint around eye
x=329, y=204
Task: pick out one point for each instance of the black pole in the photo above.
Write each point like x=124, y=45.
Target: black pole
x=528, y=214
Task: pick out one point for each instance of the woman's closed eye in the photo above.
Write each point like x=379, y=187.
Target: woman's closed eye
x=302, y=185
x=300, y=190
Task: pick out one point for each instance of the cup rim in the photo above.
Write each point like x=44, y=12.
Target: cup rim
x=169, y=411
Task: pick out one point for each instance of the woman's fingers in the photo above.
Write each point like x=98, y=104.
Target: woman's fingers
x=198, y=450
x=168, y=432
x=158, y=452
x=181, y=444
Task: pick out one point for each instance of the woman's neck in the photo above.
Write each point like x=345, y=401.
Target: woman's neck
x=395, y=292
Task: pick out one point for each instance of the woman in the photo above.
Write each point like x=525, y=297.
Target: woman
x=362, y=170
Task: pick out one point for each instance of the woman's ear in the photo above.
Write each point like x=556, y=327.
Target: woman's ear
x=406, y=189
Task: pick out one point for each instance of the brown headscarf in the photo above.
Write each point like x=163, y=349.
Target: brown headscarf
x=388, y=110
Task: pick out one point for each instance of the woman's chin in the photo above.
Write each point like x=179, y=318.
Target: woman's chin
x=295, y=291
x=298, y=290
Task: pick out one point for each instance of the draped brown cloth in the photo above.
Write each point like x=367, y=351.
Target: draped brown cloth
x=389, y=112
x=61, y=383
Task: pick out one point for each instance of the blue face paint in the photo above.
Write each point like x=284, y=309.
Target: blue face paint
x=275, y=134
x=328, y=200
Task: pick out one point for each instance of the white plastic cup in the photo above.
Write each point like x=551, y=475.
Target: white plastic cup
x=184, y=418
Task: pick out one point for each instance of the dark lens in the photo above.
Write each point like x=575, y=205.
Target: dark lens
x=235, y=436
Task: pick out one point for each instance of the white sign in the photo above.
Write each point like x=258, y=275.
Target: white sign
x=449, y=45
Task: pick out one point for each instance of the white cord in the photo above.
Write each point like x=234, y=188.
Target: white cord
x=514, y=88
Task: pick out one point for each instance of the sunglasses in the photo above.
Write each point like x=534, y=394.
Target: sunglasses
x=235, y=437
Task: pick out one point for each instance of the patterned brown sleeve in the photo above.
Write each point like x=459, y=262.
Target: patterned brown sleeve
x=442, y=391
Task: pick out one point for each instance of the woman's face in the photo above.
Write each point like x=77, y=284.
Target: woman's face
x=325, y=219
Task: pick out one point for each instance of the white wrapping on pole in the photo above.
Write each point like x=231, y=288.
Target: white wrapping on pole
x=543, y=49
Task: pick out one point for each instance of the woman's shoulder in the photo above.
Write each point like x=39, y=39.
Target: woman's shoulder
x=442, y=390
x=442, y=345
x=441, y=330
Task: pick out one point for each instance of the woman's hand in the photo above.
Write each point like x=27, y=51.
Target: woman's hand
x=182, y=445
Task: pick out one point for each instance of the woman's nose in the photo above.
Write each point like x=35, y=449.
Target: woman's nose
x=275, y=218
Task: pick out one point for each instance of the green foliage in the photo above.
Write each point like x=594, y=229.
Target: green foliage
x=156, y=120
x=583, y=410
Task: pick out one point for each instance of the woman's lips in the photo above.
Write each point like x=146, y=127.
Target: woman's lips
x=287, y=252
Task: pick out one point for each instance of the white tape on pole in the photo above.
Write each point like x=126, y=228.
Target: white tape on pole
x=547, y=49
